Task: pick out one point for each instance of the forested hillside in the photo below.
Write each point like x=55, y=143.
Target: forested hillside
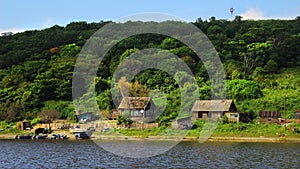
x=261, y=60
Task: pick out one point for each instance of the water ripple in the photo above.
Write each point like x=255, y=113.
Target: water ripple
x=87, y=154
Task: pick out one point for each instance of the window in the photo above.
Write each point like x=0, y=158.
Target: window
x=234, y=115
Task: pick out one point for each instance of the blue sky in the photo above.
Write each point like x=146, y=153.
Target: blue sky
x=19, y=15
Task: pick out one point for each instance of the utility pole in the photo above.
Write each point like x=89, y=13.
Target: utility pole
x=143, y=118
x=143, y=115
x=284, y=112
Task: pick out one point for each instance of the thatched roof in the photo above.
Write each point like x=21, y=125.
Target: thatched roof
x=134, y=102
x=213, y=105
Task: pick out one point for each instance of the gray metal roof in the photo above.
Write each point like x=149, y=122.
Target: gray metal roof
x=212, y=105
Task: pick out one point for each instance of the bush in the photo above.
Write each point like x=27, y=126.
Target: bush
x=4, y=125
x=35, y=121
x=224, y=120
x=124, y=119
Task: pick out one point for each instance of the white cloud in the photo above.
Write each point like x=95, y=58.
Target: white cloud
x=49, y=22
x=13, y=30
x=253, y=13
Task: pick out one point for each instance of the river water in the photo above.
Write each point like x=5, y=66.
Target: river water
x=87, y=154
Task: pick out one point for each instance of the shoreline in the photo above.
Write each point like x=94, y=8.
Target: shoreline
x=188, y=138
x=210, y=139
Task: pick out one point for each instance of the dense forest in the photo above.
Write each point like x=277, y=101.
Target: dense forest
x=261, y=61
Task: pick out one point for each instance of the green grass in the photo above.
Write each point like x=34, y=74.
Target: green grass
x=222, y=130
x=11, y=128
x=249, y=130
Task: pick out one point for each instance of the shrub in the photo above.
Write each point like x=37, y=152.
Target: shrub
x=35, y=121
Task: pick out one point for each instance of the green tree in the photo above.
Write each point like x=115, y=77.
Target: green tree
x=240, y=89
x=124, y=119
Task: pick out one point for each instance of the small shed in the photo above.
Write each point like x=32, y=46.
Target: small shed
x=297, y=114
x=138, y=107
x=24, y=125
x=233, y=116
x=182, y=124
x=269, y=116
x=203, y=109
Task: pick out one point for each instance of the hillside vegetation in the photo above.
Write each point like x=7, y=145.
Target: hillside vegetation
x=261, y=60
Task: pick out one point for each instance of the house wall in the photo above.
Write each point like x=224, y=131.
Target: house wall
x=136, y=113
x=204, y=115
x=232, y=117
x=215, y=115
x=200, y=115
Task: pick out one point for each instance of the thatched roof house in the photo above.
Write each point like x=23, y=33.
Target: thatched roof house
x=138, y=107
x=203, y=109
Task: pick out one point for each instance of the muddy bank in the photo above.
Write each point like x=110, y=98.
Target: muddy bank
x=211, y=139
x=174, y=138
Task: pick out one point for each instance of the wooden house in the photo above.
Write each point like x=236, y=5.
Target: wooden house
x=138, y=108
x=203, y=109
x=269, y=116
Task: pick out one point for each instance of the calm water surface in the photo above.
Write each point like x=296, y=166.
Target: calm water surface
x=87, y=154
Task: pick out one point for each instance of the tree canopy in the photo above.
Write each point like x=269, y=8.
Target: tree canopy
x=36, y=67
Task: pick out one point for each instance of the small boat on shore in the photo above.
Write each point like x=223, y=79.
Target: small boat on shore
x=24, y=137
x=82, y=133
x=31, y=136
x=40, y=136
x=58, y=136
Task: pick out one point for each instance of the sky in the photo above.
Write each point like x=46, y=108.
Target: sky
x=21, y=15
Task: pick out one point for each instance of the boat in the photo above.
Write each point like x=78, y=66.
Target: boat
x=82, y=133
x=58, y=136
x=24, y=137
x=44, y=136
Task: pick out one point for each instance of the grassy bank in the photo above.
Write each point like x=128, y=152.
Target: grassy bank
x=228, y=130
x=222, y=130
